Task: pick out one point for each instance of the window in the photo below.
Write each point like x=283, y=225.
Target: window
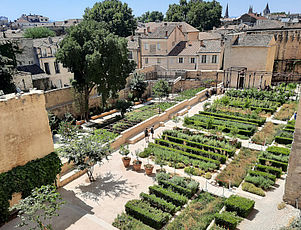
x=158, y=46
x=158, y=60
x=46, y=66
x=192, y=60
x=130, y=54
x=214, y=58
x=181, y=60
x=56, y=67
x=204, y=59
x=146, y=60
x=146, y=46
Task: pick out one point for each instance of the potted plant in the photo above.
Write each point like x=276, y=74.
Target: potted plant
x=124, y=151
x=137, y=163
x=148, y=168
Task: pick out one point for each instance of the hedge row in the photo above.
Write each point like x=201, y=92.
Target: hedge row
x=190, y=155
x=178, y=140
x=159, y=203
x=241, y=205
x=228, y=220
x=144, y=212
x=278, y=150
x=232, y=117
x=176, y=188
x=277, y=164
x=225, y=119
x=249, y=187
x=263, y=174
x=283, y=140
x=175, y=198
x=207, y=154
x=275, y=171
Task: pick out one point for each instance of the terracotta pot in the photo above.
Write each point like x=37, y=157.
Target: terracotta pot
x=137, y=165
x=148, y=169
x=126, y=161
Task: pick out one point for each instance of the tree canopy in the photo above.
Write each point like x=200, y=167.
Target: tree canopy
x=8, y=63
x=138, y=85
x=117, y=15
x=200, y=14
x=97, y=58
x=151, y=16
x=39, y=32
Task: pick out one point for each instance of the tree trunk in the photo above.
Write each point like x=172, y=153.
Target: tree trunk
x=90, y=175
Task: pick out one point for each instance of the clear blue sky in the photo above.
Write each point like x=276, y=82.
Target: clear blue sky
x=64, y=9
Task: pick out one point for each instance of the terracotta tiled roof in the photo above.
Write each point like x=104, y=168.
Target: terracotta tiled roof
x=177, y=49
x=209, y=36
x=253, y=40
x=133, y=42
x=191, y=49
x=210, y=46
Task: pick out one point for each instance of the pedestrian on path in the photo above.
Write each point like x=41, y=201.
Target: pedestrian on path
x=152, y=131
x=295, y=115
x=146, y=135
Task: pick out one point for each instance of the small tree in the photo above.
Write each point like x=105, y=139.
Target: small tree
x=39, y=208
x=123, y=105
x=138, y=85
x=87, y=151
x=176, y=120
x=161, y=89
x=38, y=32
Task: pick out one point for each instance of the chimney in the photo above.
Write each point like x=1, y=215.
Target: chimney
x=202, y=43
x=148, y=29
x=166, y=33
x=180, y=27
x=144, y=31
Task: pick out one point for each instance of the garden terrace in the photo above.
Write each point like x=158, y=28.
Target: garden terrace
x=198, y=214
x=286, y=111
x=157, y=207
x=187, y=94
x=267, y=134
x=285, y=136
x=236, y=171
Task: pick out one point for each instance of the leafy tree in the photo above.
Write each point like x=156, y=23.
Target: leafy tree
x=161, y=89
x=39, y=208
x=97, y=59
x=117, y=15
x=138, y=85
x=200, y=14
x=8, y=63
x=39, y=32
x=123, y=105
x=87, y=151
x=151, y=16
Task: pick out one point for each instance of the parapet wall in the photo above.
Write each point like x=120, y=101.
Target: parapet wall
x=25, y=134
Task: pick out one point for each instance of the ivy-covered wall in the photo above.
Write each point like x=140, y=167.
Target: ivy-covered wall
x=23, y=179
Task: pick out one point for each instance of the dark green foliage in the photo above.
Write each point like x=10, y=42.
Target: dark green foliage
x=126, y=222
x=241, y=205
x=260, y=181
x=176, y=188
x=138, y=86
x=123, y=105
x=39, y=32
x=152, y=16
x=25, y=178
x=168, y=195
x=278, y=150
x=275, y=171
x=249, y=187
x=159, y=203
x=283, y=140
x=161, y=89
x=116, y=15
x=273, y=163
x=144, y=212
x=263, y=174
x=228, y=220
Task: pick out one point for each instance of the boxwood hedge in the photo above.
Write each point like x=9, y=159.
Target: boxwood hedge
x=241, y=205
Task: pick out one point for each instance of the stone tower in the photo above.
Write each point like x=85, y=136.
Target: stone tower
x=227, y=12
x=266, y=11
x=250, y=10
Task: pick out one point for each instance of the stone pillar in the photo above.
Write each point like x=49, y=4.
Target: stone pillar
x=293, y=179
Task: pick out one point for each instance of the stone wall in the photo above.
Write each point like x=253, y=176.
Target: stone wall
x=25, y=134
x=293, y=179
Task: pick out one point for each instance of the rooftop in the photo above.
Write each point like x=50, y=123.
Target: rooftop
x=253, y=40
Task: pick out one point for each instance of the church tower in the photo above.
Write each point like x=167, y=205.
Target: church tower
x=266, y=10
x=250, y=10
x=227, y=12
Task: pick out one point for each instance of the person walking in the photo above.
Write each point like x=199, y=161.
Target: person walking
x=152, y=131
x=295, y=115
x=146, y=135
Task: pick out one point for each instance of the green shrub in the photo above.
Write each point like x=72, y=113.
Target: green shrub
x=283, y=140
x=208, y=175
x=275, y=171
x=278, y=150
x=126, y=222
x=228, y=220
x=176, y=188
x=260, y=181
x=24, y=178
x=194, y=171
x=248, y=187
x=144, y=212
x=241, y=205
x=168, y=195
x=263, y=174
x=274, y=163
x=159, y=203
x=146, y=153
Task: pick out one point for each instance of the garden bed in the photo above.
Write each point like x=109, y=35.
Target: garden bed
x=286, y=111
x=267, y=134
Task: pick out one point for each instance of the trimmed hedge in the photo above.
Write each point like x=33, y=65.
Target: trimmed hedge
x=190, y=155
x=208, y=114
x=147, y=214
x=232, y=117
x=278, y=150
x=126, y=222
x=193, y=144
x=275, y=171
x=249, y=187
x=263, y=174
x=176, y=188
x=24, y=178
x=209, y=155
x=159, y=203
x=175, y=198
x=277, y=164
x=241, y=205
x=283, y=140
x=228, y=220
